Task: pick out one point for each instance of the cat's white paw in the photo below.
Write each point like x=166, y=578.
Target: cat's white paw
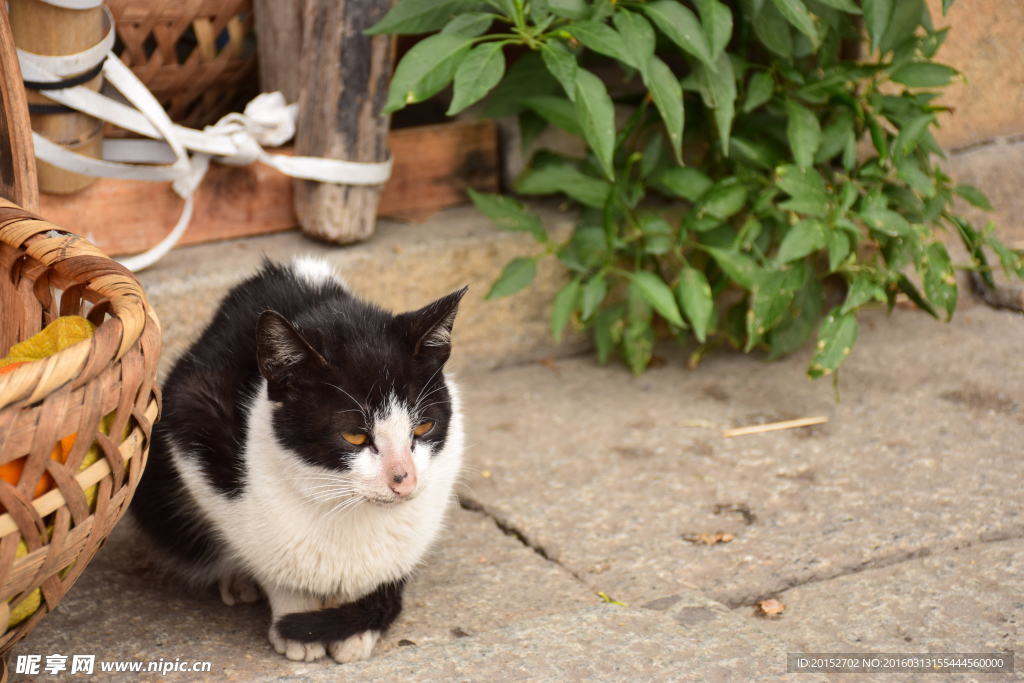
x=296, y=650
x=237, y=588
x=354, y=647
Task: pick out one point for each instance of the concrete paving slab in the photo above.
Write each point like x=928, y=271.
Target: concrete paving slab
x=404, y=266
x=606, y=473
x=697, y=640
x=967, y=600
x=476, y=580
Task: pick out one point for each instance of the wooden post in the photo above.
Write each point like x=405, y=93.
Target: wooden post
x=49, y=30
x=279, y=45
x=17, y=162
x=344, y=79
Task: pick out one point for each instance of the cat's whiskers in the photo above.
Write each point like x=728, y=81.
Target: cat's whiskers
x=363, y=409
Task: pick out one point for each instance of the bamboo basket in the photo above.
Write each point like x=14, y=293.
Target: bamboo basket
x=102, y=390
x=198, y=57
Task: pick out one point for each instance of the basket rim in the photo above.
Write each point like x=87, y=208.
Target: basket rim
x=80, y=262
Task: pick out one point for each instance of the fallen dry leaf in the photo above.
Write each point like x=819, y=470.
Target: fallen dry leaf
x=709, y=539
x=770, y=607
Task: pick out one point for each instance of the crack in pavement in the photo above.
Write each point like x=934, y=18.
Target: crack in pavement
x=511, y=530
x=751, y=599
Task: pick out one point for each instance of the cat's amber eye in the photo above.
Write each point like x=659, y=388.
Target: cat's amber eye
x=423, y=427
x=354, y=438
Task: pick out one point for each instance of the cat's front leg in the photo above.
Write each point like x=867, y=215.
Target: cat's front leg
x=284, y=602
x=349, y=630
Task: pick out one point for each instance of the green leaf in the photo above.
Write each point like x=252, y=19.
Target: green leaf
x=607, y=331
x=757, y=153
x=567, y=179
x=770, y=297
x=924, y=75
x=604, y=39
x=773, y=31
x=656, y=293
x=724, y=199
x=760, y=90
x=717, y=21
x=946, y=4
x=682, y=181
x=836, y=338
x=838, y=244
x=638, y=345
x=555, y=110
x=939, y=279
x=974, y=196
x=516, y=275
x=877, y=15
x=844, y=5
x=469, y=25
x=912, y=133
x=719, y=90
x=908, y=288
x=668, y=98
x=803, y=238
x=835, y=136
x=480, y=71
x=594, y=293
x=528, y=76
x=806, y=188
x=803, y=132
x=637, y=38
x=570, y=9
x=886, y=221
x=566, y=302
x=681, y=26
x=740, y=267
x=800, y=321
x=596, y=116
x=906, y=15
x=796, y=14
x=561, y=63
x=425, y=69
x=658, y=234
x=918, y=180
x=508, y=214
x=420, y=16
x=862, y=290
x=694, y=295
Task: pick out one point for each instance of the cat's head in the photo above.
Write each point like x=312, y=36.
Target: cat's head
x=359, y=396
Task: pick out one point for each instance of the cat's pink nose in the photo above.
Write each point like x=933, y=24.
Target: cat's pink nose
x=403, y=481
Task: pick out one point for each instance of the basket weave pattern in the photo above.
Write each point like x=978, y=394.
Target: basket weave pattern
x=196, y=56
x=46, y=273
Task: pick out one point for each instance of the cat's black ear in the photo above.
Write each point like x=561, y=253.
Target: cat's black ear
x=429, y=329
x=281, y=350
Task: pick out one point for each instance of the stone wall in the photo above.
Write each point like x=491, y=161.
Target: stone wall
x=985, y=131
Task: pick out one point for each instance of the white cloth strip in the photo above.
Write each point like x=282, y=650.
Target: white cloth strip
x=75, y=4
x=52, y=68
x=235, y=139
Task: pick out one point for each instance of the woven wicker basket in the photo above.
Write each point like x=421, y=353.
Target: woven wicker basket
x=198, y=57
x=102, y=388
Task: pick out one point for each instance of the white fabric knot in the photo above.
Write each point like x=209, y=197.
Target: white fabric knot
x=267, y=120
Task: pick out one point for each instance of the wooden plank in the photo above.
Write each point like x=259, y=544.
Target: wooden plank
x=343, y=75
x=433, y=167
x=279, y=45
x=17, y=164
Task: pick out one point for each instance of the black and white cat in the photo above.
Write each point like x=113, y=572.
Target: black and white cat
x=308, y=448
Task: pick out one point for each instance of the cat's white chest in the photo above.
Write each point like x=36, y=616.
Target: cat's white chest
x=283, y=539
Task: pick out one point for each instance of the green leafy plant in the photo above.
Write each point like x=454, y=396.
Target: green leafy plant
x=725, y=192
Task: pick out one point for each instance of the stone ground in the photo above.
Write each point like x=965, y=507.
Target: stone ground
x=895, y=527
